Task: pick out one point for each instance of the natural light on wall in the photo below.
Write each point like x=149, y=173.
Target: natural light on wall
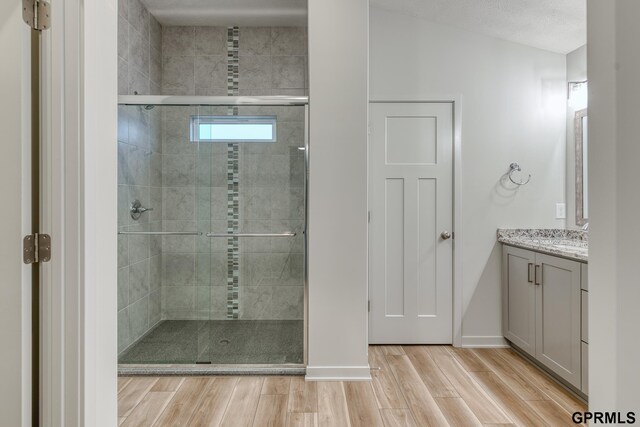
x=233, y=129
x=553, y=98
x=578, y=95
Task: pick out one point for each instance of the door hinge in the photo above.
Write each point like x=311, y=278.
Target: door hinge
x=36, y=248
x=36, y=14
x=369, y=216
x=369, y=306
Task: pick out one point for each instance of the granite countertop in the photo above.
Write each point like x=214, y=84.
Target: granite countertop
x=573, y=244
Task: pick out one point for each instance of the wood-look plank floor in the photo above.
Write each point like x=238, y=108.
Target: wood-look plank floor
x=412, y=386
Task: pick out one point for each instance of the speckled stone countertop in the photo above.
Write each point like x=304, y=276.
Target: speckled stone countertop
x=572, y=244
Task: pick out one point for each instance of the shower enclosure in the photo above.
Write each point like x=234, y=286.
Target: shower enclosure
x=212, y=233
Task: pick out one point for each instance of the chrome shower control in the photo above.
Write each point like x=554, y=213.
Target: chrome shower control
x=136, y=209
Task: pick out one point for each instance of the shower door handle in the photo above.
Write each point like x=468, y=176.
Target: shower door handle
x=286, y=234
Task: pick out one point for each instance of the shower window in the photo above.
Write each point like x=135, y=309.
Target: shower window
x=231, y=129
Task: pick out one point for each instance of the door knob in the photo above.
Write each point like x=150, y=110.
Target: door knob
x=445, y=235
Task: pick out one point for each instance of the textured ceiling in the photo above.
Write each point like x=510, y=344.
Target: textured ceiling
x=229, y=12
x=555, y=25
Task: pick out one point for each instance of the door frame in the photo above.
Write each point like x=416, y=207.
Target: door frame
x=78, y=205
x=456, y=101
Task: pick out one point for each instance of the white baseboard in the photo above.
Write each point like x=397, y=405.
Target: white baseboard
x=338, y=373
x=480, y=341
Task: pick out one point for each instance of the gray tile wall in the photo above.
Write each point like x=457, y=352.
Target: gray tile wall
x=272, y=61
x=139, y=50
x=139, y=173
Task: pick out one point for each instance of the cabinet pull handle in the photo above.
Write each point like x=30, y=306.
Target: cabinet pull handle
x=529, y=279
x=536, y=281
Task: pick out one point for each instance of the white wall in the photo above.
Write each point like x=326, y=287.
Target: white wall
x=513, y=109
x=576, y=72
x=15, y=193
x=614, y=108
x=98, y=106
x=338, y=37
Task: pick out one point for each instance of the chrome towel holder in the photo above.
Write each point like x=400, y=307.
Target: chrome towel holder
x=514, y=167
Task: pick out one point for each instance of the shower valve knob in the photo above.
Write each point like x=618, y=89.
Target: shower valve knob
x=137, y=209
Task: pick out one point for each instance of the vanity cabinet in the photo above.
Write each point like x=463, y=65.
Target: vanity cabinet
x=542, y=310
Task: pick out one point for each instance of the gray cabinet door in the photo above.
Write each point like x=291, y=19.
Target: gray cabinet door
x=558, y=317
x=519, y=298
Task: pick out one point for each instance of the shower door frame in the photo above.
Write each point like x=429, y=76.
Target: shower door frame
x=236, y=369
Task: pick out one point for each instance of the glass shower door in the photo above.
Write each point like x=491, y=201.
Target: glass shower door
x=257, y=214
x=213, y=271
x=161, y=167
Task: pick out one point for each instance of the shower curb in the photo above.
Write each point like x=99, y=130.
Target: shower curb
x=209, y=370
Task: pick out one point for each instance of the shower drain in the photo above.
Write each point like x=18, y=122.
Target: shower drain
x=224, y=341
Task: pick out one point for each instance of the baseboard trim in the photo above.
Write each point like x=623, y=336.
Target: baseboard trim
x=484, y=341
x=338, y=373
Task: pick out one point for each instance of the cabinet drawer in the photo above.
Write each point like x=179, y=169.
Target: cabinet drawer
x=584, y=304
x=585, y=368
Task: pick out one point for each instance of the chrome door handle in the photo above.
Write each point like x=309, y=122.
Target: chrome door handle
x=445, y=235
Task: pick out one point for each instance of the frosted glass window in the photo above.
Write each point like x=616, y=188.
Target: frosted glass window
x=233, y=129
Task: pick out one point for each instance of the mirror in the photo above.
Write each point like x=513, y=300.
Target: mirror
x=582, y=163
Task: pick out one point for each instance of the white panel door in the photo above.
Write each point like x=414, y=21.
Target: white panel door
x=411, y=203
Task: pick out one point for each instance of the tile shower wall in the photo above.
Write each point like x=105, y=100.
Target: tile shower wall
x=272, y=61
x=139, y=173
x=139, y=50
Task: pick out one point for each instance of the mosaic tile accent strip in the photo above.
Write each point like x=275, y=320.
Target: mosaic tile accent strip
x=233, y=174
x=571, y=244
x=233, y=44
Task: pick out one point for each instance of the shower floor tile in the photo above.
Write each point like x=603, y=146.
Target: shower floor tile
x=219, y=342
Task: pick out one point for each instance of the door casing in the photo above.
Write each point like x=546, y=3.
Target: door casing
x=78, y=205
